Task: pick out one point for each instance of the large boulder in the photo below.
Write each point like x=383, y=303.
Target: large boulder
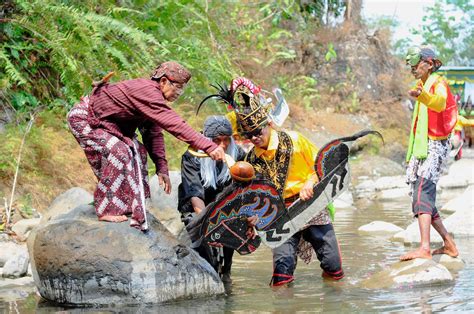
x=384, y=188
x=79, y=260
x=17, y=264
x=66, y=201
x=392, y=182
x=461, y=223
x=164, y=206
x=410, y=273
x=365, y=189
x=9, y=249
x=412, y=235
x=394, y=194
x=451, y=263
x=24, y=226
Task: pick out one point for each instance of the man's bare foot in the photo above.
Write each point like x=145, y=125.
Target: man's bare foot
x=450, y=250
x=111, y=218
x=419, y=253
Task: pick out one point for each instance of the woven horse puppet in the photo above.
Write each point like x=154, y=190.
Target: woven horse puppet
x=225, y=219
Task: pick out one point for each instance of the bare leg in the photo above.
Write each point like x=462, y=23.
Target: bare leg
x=449, y=245
x=111, y=218
x=424, y=223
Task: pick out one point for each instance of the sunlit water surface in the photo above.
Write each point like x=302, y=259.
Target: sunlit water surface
x=362, y=256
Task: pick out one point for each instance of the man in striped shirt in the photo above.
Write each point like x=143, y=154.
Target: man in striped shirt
x=105, y=123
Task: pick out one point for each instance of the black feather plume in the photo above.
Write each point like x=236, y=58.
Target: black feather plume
x=224, y=94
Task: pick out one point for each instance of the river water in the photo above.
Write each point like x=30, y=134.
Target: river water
x=362, y=256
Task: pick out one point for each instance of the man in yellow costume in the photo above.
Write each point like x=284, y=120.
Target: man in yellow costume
x=287, y=160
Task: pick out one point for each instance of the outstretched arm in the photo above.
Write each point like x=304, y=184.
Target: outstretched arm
x=436, y=101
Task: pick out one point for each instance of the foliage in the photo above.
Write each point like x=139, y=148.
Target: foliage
x=447, y=26
x=52, y=50
x=331, y=54
x=322, y=11
x=55, y=49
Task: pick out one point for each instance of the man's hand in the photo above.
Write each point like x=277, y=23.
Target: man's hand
x=251, y=223
x=217, y=154
x=198, y=204
x=416, y=91
x=306, y=191
x=164, y=182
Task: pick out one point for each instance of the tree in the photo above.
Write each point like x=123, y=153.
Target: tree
x=447, y=27
x=353, y=11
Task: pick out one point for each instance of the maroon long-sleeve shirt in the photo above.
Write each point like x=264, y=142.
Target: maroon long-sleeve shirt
x=139, y=103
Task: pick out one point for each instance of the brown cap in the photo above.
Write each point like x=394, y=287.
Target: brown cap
x=173, y=71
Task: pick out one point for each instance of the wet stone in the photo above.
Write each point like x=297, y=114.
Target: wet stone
x=78, y=260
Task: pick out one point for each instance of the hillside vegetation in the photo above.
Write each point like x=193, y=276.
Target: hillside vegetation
x=332, y=70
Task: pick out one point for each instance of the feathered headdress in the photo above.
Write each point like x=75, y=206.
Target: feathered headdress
x=243, y=98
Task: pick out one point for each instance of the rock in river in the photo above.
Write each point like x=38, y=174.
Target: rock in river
x=79, y=260
x=410, y=273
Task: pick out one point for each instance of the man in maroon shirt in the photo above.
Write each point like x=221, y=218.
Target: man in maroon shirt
x=105, y=123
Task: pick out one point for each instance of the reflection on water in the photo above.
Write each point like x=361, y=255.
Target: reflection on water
x=362, y=256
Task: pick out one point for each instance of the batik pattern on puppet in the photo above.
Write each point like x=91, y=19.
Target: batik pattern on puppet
x=120, y=168
x=305, y=249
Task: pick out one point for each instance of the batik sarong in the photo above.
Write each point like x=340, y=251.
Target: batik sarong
x=305, y=249
x=431, y=167
x=422, y=176
x=119, y=163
